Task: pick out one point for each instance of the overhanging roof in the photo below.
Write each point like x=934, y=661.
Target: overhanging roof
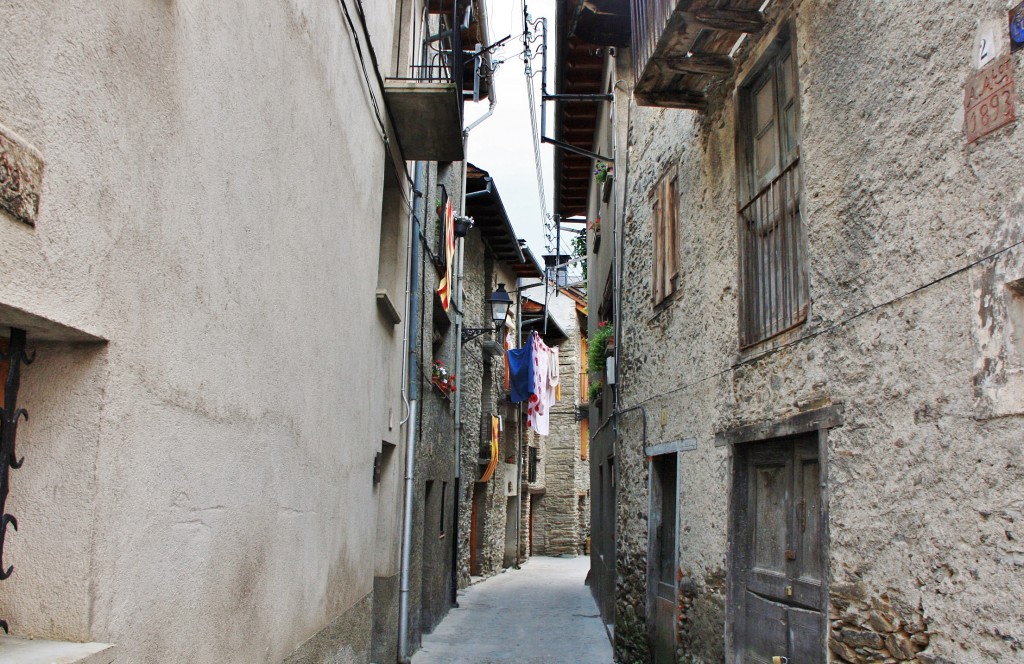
x=601, y=22
x=534, y=315
x=483, y=203
x=579, y=69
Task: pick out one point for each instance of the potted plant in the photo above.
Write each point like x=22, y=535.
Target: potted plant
x=442, y=380
x=597, y=352
x=462, y=225
x=595, y=391
x=602, y=171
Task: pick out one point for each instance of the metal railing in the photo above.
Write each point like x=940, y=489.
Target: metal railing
x=773, y=296
x=649, y=20
x=441, y=58
x=11, y=361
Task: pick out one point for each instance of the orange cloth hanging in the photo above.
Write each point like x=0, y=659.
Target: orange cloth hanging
x=444, y=289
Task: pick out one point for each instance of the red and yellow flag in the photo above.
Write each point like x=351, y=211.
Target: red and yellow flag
x=444, y=289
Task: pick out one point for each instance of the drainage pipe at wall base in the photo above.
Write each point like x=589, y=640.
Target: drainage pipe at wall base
x=412, y=422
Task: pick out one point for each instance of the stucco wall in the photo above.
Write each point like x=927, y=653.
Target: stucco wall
x=199, y=488
x=922, y=476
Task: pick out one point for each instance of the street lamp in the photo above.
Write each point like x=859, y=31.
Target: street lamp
x=499, y=301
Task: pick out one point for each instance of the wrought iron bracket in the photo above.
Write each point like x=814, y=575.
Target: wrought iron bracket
x=470, y=333
x=9, y=416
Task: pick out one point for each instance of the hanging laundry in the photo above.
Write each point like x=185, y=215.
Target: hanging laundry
x=444, y=288
x=538, y=413
x=520, y=372
x=553, y=376
x=509, y=342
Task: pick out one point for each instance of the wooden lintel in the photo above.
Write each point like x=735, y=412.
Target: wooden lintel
x=692, y=100
x=732, y=20
x=711, y=64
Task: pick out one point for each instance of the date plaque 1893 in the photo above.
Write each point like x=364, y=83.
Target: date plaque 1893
x=989, y=99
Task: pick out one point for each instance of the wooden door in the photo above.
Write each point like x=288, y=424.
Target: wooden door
x=476, y=527
x=780, y=554
x=663, y=556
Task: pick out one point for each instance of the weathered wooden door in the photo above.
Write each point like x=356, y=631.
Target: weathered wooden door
x=663, y=556
x=779, y=547
x=476, y=527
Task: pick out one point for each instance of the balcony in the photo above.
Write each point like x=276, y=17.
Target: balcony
x=427, y=114
x=680, y=45
x=426, y=107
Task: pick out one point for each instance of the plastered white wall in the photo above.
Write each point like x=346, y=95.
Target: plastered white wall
x=211, y=206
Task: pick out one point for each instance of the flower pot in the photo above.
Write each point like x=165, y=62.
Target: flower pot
x=462, y=226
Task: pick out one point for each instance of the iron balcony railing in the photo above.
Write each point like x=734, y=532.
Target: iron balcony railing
x=441, y=58
x=649, y=20
x=773, y=297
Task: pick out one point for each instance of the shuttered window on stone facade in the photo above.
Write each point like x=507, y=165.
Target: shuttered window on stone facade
x=773, y=270
x=665, y=215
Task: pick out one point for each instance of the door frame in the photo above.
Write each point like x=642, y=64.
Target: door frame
x=654, y=498
x=818, y=422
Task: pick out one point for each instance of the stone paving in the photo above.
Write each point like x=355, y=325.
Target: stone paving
x=539, y=614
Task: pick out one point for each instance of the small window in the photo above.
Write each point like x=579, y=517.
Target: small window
x=773, y=271
x=390, y=268
x=444, y=497
x=665, y=213
x=531, y=468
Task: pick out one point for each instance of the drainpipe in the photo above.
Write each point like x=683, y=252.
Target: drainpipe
x=412, y=374
x=461, y=253
x=519, y=429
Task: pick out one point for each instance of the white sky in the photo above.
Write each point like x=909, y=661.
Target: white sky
x=503, y=144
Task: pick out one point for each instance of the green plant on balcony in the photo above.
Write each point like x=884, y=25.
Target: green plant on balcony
x=594, y=391
x=599, y=344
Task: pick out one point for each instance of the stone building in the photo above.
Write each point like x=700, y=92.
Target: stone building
x=815, y=281
x=208, y=218
x=493, y=255
x=556, y=492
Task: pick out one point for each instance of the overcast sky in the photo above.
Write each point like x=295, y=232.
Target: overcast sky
x=503, y=144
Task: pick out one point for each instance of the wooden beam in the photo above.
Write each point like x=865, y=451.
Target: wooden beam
x=827, y=417
x=711, y=64
x=693, y=100
x=732, y=20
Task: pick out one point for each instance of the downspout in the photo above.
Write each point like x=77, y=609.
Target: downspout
x=461, y=255
x=519, y=429
x=412, y=375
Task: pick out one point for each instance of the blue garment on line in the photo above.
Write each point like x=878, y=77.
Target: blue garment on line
x=520, y=369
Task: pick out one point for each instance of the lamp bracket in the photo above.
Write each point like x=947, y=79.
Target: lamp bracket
x=470, y=333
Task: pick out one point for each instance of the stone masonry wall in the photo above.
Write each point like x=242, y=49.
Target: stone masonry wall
x=912, y=236
x=562, y=462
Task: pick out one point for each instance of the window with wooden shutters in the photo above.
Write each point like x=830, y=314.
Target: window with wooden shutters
x=665, y=208
x=773, y=265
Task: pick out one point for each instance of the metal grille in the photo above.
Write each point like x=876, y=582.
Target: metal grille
x=649, y=19
x=774, y=297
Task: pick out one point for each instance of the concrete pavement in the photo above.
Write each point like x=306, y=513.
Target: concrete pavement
x=539, y=614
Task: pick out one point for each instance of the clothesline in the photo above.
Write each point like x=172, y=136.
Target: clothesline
x=534, y=378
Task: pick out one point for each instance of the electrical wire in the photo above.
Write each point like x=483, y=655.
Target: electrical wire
x=362, y=62
x=831, y=328
x=537, y=161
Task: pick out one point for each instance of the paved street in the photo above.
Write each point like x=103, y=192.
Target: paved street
x=540, y=614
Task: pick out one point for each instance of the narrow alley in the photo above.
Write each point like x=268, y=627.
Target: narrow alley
x=542, y=613
x=705, y=345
